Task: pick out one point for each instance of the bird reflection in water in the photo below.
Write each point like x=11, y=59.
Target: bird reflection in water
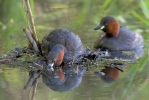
x=64, y=78
x=108, y=74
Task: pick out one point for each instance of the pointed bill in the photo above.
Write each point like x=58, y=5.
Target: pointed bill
x=99, y=27
x=50, y=67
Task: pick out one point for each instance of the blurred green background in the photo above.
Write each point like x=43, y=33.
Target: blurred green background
x=79, y=16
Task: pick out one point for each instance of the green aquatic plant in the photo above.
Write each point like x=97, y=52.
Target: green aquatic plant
x=143, y=15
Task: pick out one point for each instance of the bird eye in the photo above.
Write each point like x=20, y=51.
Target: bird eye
x=106, y=24
x=50, y=61
x=54, y=60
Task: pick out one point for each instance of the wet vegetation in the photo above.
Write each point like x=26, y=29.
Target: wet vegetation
x=81, y=17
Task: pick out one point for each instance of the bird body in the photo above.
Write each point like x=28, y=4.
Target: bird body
x=71, y=42
x=119, y=38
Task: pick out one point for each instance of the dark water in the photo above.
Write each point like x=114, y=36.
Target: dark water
x=80, y=17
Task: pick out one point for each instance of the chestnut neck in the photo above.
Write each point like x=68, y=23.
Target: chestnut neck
x=60, y=57
x=112, y=29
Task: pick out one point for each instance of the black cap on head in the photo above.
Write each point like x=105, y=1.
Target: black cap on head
x=104, y=22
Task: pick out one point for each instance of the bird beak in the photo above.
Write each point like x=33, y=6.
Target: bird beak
x=50, y=67
x=99, y=27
